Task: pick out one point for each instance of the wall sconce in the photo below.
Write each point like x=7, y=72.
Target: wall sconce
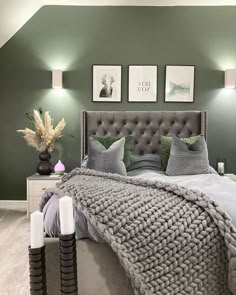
x=230, y=78
x=57, y=82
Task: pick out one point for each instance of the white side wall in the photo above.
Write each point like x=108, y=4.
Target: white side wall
x=14, y=14
x=142, y=2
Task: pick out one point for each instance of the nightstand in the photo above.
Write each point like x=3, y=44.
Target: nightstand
x=36, y=186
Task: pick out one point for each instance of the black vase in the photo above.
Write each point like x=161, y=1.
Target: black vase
x=44, y=166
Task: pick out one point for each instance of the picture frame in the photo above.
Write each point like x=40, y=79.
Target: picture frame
x=107, y=83
x=179, y=83
x=142, y=83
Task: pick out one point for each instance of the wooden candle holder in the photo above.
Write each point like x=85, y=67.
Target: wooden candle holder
x=68, y=264
x=37, y=270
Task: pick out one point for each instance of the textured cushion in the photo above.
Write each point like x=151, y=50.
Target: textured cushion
x=107, y=141
x=106, y=160
x=188, y=159
x=166, y=145
x=148, y=161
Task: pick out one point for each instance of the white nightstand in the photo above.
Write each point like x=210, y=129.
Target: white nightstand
x=36, y=186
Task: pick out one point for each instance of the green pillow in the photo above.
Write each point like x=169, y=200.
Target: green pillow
x=107, y=141
x=166, y=145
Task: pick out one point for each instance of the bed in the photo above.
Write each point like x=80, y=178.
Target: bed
x=98, y=267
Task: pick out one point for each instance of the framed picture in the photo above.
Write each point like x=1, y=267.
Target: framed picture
x=179, y=83
x=142, y=83
x=107, y=83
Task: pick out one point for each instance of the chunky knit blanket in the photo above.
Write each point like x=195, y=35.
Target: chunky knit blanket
x=170, y=240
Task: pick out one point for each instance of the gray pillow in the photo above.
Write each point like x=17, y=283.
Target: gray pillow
x=147, y=161
x=106, y=160
x=188, y=159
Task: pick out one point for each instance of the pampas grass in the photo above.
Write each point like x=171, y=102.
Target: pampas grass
x=44, y=136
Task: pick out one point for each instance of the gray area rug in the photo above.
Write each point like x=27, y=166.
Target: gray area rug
x=14, y=241
x=99, y=271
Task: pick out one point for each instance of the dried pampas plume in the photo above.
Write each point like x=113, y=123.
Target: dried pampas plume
x=44, y=136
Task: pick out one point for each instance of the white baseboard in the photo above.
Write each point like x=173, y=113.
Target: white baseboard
x=13, y=205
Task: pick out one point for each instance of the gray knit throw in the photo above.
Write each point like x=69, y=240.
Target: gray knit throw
x=170, y=240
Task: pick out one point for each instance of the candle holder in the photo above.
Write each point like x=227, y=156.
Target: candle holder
x=37, y=269
x=68, y=264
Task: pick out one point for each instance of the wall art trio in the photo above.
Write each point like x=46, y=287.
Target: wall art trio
x=142, y=83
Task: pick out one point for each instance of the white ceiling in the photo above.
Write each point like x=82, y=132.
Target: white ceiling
x=142, y=2
x=15, y=13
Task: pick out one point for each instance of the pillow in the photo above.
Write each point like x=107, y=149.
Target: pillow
x=107, y=141
x=106, y=160
x=166, y=145
x=147, y=161
x=188, y=159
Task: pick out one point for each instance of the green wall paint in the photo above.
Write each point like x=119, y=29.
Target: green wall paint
x=74, y=38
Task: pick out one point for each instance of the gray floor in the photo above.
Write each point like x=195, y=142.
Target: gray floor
x=99, y=271
x=14, y=241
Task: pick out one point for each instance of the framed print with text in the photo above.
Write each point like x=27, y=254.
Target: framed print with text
x=142, y=83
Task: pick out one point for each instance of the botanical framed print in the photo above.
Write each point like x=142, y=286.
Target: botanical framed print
x=179, y=83
x=107, y=83
x=142, y=83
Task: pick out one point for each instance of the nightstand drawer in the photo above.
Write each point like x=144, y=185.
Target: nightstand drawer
x=33, y=204
x=38, y=187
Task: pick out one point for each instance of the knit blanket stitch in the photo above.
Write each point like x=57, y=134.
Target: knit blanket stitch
x=170, y=240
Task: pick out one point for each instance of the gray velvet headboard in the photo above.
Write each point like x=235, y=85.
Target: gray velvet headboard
x=146, y=128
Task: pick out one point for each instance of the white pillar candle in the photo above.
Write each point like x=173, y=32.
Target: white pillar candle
x=221, y=169
x=36, y=225
x=66, y=216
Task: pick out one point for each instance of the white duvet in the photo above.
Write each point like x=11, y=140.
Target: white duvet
x=218, y=188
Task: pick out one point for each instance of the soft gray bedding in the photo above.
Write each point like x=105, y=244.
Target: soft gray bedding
x=222, y=191
x=159, y=231
x=50, y=208
x=217, y=188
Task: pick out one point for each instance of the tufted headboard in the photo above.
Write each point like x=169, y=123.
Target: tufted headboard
x=145, y=127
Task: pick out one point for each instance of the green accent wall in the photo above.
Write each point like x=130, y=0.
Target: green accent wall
x=74, y=38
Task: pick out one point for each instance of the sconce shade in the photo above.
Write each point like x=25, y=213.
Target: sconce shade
x=230, y=78
x=57, y=79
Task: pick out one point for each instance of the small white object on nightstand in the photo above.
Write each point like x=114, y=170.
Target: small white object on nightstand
x=36, y=186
